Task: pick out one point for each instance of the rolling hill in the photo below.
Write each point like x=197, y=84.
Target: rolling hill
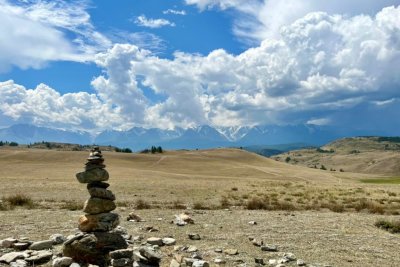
x=371, y=155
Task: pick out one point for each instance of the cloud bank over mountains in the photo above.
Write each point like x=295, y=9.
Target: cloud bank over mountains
x=322, y=68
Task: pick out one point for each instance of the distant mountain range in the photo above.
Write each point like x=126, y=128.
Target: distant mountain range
x=200, y=137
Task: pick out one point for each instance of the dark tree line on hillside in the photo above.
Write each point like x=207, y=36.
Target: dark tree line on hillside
x=6, y=143
x=123, y=150
x=152, y=150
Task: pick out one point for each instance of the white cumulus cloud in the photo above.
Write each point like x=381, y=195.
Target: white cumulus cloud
x=45, y=106
x=34, y=33
x=143, y=21
x=256, y=20
x=323, y=69
x=175, y=12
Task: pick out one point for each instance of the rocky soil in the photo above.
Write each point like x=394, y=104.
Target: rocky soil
x=230, y=237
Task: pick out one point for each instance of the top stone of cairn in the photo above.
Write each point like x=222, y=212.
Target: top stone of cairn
x=94, y=168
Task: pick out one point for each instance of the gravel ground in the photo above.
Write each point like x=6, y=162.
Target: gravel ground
x=319, y=238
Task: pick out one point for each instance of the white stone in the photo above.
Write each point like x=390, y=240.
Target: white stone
x=219, y=261
x=272, y=262
x=168, y=241
x=300, y=263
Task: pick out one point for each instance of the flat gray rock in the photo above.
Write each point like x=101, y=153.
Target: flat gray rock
x=39, y=257
x=8, y=242
x=13, y=256
x=94, y=175
x=21, y=245
x=41, y=245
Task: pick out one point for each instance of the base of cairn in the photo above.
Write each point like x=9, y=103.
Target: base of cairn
x=94, y=247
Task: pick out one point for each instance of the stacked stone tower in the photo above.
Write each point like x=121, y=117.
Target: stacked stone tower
x=97, y=239
x=97, y=208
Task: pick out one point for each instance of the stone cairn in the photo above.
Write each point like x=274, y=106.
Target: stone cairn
x=97, y=239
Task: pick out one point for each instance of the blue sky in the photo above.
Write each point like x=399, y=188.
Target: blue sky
x=97, y=65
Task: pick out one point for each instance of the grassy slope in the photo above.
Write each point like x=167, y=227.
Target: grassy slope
x=203, y=175
x=361, y=155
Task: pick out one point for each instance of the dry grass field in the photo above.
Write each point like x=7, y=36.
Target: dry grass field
x=321, y=216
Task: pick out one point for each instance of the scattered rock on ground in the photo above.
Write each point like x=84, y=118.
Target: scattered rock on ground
x=300, y=262
x=259, y=261
x=132, y=217
x=155, y=241
x=194, y=236
x=168, y=241
x=231, y=251
x=270, y=248
x=219, y=261
x=150, y=254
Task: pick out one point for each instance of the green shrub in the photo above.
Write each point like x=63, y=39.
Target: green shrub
x=142, y=204
x=256, y=204
x=391, y=226
x=224, y=202
x=178, y=204
x=20, y=200
x=200, y=206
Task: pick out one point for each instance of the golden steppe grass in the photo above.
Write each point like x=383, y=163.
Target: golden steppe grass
x=310, y=212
